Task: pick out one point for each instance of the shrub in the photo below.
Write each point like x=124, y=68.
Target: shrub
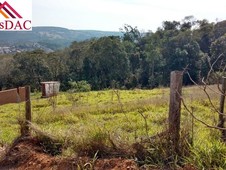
x=79, y=86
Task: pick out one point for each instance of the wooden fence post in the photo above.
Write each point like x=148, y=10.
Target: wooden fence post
x=221, y=116
x=28, y=110
x=176, y=79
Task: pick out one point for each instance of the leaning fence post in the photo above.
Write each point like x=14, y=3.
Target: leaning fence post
x=176, y=79
x=222, y=116
x=28, y=110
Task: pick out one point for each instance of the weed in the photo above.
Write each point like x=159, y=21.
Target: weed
x=50, y=144
x=210, y=155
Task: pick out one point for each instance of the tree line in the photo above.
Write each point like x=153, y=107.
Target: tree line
x=135, y=60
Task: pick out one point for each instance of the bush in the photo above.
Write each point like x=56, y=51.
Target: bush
x=80, y=86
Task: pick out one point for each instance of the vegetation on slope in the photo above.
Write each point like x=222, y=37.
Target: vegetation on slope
x=134, y=60
x=117, y=123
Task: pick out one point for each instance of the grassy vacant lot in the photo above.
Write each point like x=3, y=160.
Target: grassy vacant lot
x=102, y=122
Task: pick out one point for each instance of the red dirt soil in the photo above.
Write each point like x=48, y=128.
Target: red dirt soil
x=27, y=154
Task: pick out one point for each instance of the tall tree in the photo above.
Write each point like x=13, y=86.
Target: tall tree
x=218, y=53
x=58, y=67
x=30, y=68
x=77, y=54
x=6, y=66
x=106, y=61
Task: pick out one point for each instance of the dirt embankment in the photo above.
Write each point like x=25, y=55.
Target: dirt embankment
x=27, y=154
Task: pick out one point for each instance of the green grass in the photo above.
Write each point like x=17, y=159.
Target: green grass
x=102, y=120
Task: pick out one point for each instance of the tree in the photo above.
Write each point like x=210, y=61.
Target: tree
x=168, y=25
x=30, y=68
x=77, y=54
x=187, y=23
x=218, y=54
x=58, y=67
x=134, y=43
x=6, y=67
x=182, y=51
x=131, y=34
x=106, y=61
x=204, y=35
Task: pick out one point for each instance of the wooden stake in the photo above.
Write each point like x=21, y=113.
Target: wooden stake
x=176, y=79
x=221, y=116
x=28, y=110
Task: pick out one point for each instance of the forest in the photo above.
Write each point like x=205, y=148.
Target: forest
x=135, y=60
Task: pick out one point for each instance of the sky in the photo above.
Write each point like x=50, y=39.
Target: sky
x=111, y=15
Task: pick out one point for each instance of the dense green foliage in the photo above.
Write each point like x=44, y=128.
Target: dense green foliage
x=135, y=60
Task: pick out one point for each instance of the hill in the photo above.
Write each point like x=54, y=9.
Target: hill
x=46, y=38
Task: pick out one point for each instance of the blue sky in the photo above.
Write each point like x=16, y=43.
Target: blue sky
x=110, y=15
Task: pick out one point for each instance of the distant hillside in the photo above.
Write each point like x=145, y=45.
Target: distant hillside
x=46, y=38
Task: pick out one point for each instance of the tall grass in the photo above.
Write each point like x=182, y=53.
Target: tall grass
x=105, y=123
